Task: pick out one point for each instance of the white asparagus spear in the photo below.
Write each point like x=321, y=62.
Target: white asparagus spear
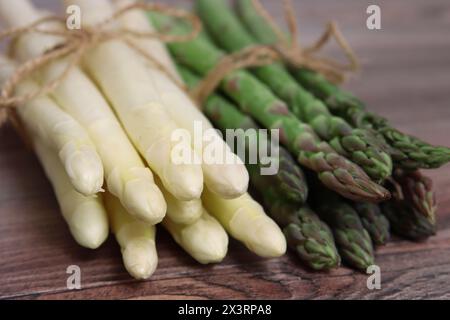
x=60, y=131
x=126, y=175
x=136, y=20
x=245, y=220
x=205, y=239
x=85, y=216
x=227, y=179
x=122, y=75
x=136, y=239
x=179, y=211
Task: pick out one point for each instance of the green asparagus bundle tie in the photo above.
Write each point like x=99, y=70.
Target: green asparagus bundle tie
x=256, y=99
x=77, y=42
x=359, y=145
x=407, y=151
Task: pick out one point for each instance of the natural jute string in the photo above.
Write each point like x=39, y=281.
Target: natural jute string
x=287, y=49
x=76, y=43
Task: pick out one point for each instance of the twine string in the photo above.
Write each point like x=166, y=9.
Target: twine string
x=287, y=49
x=76, y=43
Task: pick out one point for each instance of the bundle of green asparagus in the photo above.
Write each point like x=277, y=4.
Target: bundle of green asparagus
x=407, y=152
x=109, y=152
x=348, y=228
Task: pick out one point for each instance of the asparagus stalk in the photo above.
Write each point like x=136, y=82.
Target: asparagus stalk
x=411, y=211
x=245, y=220
x=255, y=98
x=407, y=151
x=358, y=145
x=122, y=75
x=289, y=180
x=417, y=190
x=309, y=237
x=376, y=224
x=227, y=176
x=408, y=222
x=44, y=118
x=136, y=239
x=205, y=239
x=352, y=240
x=126, y=175
x=85, y=216
x=178, y=211
x=136, y=20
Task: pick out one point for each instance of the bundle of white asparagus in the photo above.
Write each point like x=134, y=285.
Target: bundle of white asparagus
x=113, y=118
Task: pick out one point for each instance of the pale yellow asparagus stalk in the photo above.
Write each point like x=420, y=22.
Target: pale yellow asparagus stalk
x=228, y=176
x=179, y=211
x=205, y=239
x=60, y=131
x=137, y=20
x=136, y=239
x=123, y=77
x=85, y=216
x=245, y=220
x=126, y=175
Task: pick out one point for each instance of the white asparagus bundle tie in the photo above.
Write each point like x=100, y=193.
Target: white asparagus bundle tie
x=43, y=117
x=126, y=175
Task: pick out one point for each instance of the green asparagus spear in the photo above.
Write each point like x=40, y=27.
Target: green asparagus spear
x=417, y=190
x=309, y=237
x=254, y=98
x=406, y=221
x=373, y=221
x=289, y=180
x=353, y=241
x=358, y=145
x=411, y=211
x=407, y=151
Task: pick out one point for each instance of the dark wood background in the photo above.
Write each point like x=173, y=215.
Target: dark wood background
x=406, y=77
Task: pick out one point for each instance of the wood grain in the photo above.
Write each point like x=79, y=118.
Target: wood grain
x=406, y=77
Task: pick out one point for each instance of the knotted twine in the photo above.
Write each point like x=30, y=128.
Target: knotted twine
x=79, y=41
x=287, y=49
x=76, y=43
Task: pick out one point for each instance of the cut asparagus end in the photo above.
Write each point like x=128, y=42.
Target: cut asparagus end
x=140, y=258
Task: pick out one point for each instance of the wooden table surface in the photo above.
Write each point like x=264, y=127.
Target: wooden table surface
x=406, y=77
